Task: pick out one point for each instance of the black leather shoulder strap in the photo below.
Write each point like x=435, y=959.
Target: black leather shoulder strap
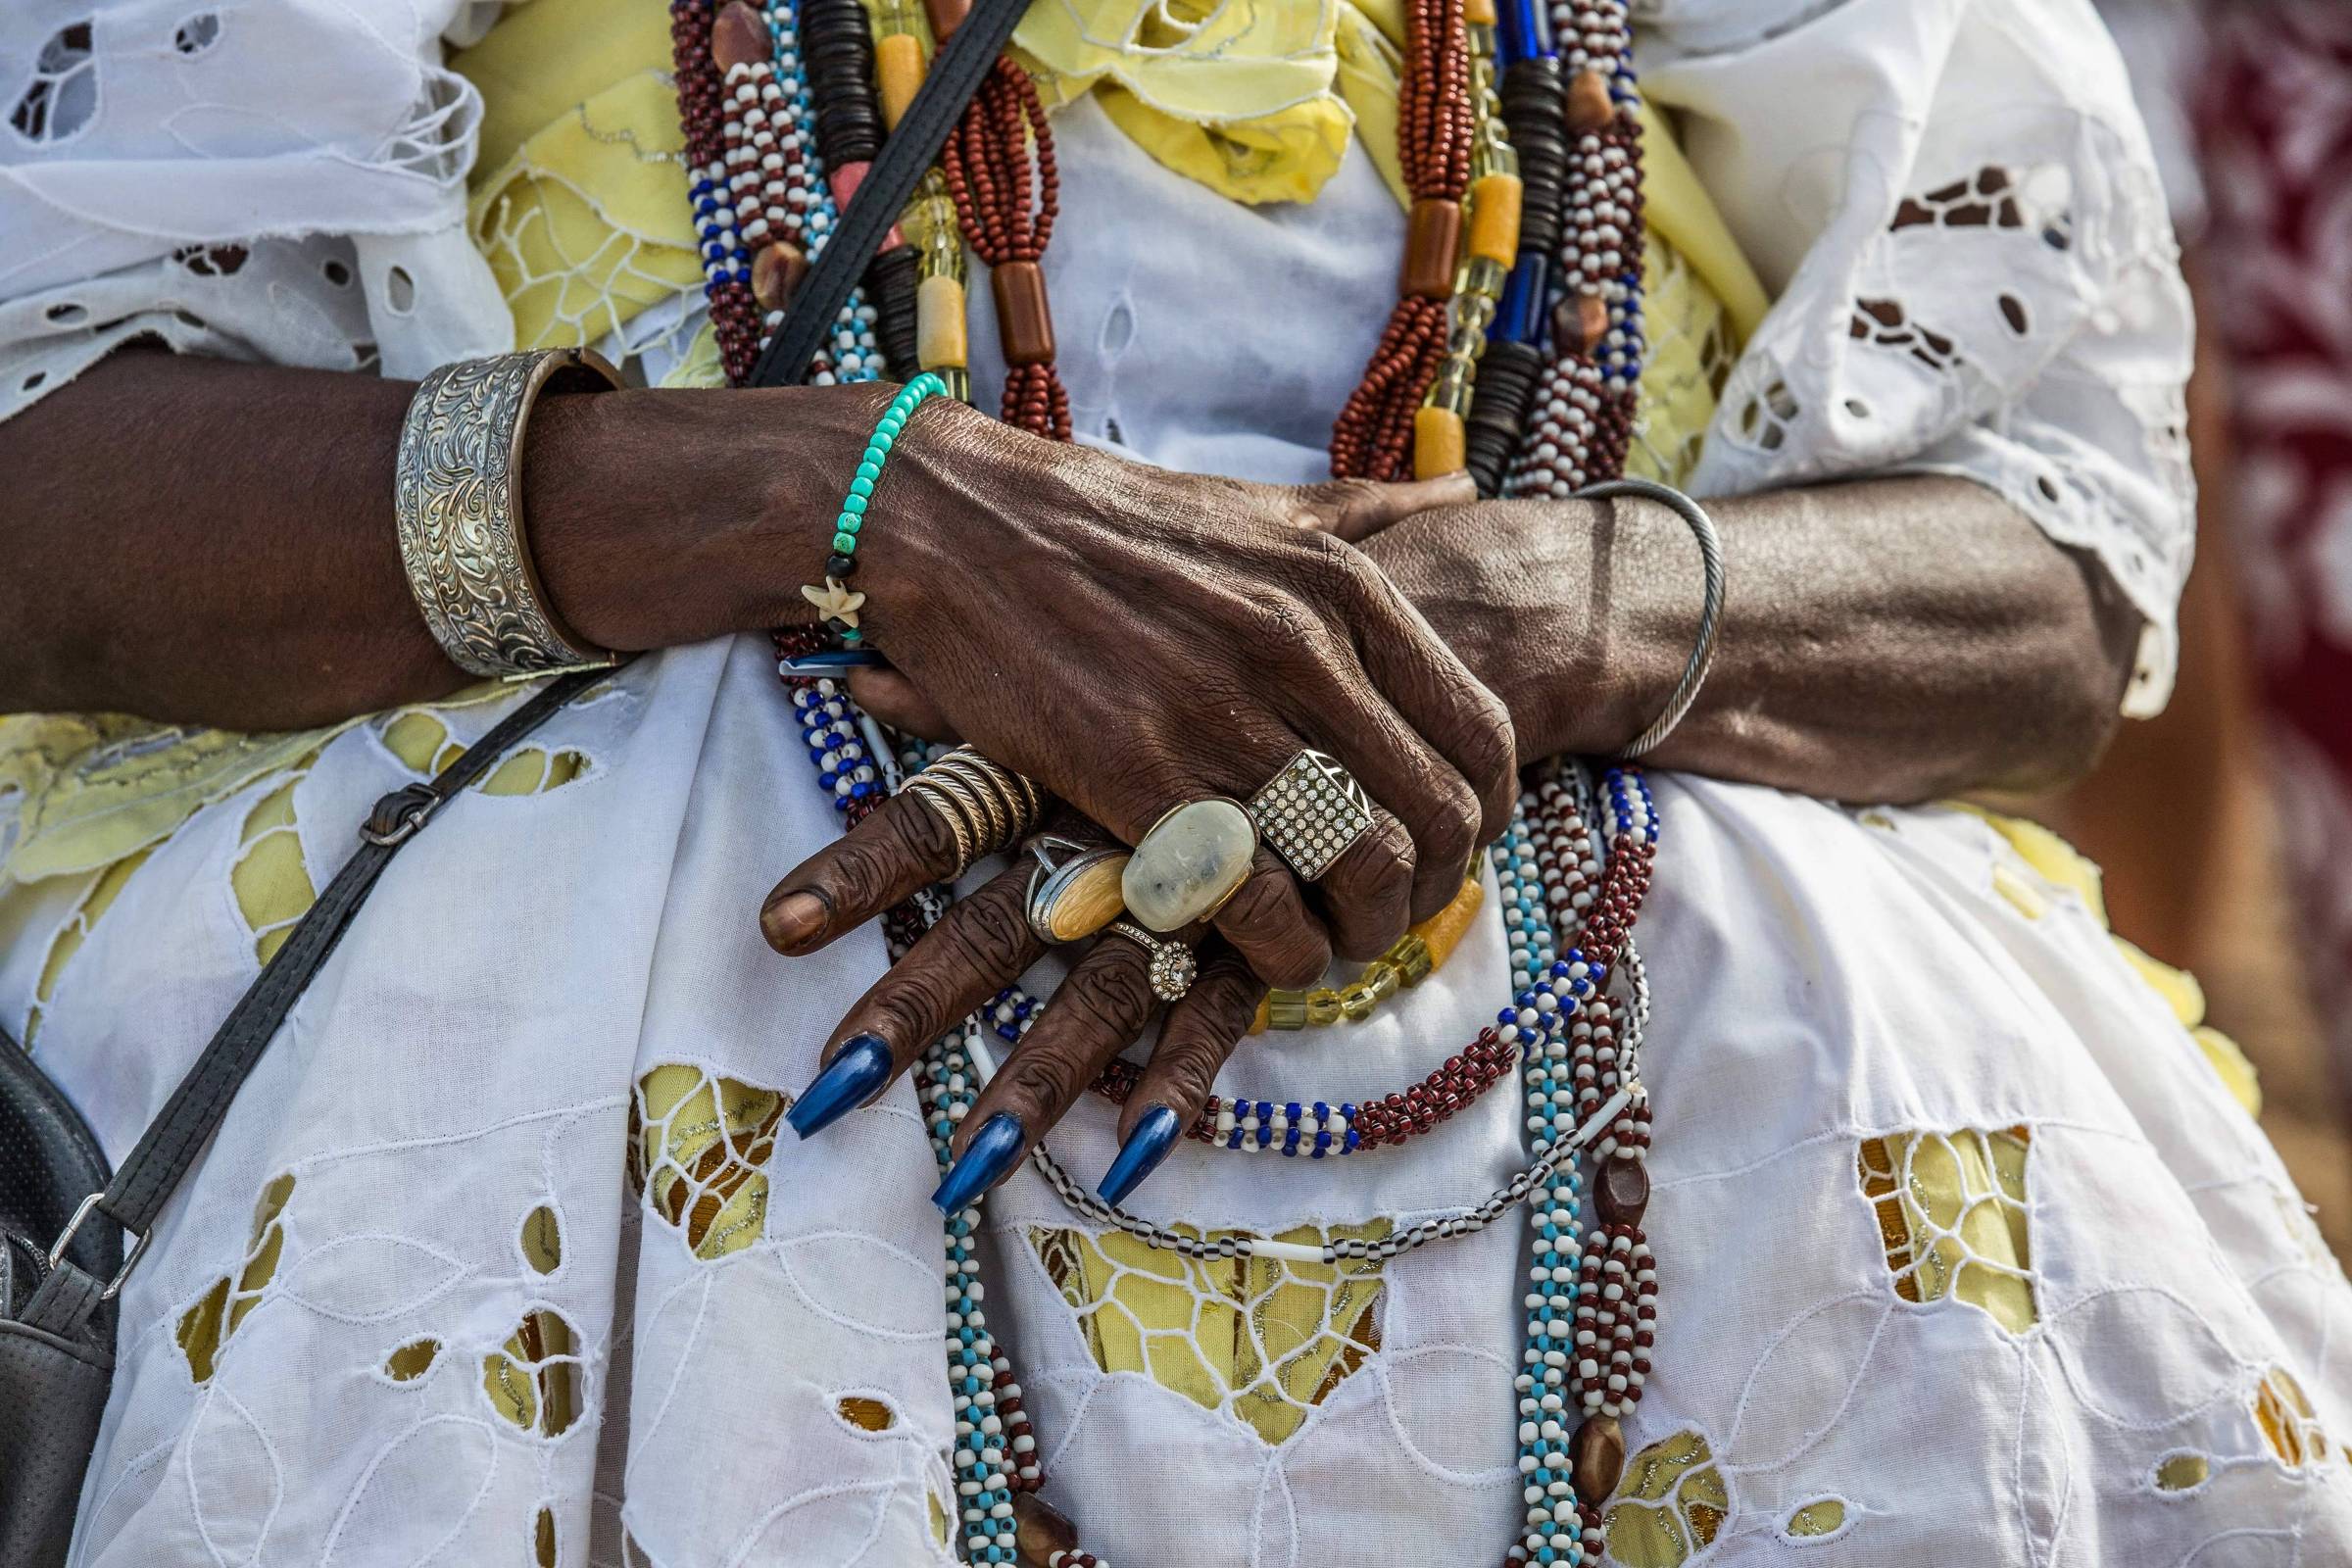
x=890, y=180
x=172, y=1143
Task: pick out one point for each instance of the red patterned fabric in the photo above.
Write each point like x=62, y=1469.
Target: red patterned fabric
x=2274, y=109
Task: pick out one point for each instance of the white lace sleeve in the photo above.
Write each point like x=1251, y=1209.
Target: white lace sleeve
x=272, y=180
x=1955, y=206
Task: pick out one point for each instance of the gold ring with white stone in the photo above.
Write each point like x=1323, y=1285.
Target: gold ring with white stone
x=1189, y=864
x=1311, y=811
x=1173, y=965
x=1077, y=894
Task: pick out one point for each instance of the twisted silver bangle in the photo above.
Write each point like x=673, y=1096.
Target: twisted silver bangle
x=1710, y=613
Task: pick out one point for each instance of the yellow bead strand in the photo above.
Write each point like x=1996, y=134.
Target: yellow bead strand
x=1417, y=954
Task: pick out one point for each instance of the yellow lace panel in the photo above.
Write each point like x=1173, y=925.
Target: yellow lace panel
x=577, y=201
x=1692, y=350
x=1262, y=1340
x=270, y=878
x=425, y=746
x=1951, y=1213
x=1669, y=1506
x=699, y=1147
x=104, y=888
x=205, y=1327
x=542, y=1240
x=865, y=1413
x=96, y=788
x=543, y=1538
x=533, y=1380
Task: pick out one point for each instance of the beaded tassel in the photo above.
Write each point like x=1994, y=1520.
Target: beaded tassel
x=986, y=161
x=1489, y=246
x=851, y=352
x=726, y=265
x=1593, y=1297
x=1534, y=106
x=1374, y=435
x=1584, y=400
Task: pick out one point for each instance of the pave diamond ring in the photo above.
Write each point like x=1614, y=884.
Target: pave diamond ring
x=1311, y=812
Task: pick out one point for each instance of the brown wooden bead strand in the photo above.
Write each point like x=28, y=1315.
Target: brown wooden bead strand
x=1373, y=437
x=1007, y=214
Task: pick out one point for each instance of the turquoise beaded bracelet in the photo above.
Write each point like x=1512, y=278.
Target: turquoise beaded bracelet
x=834, y=601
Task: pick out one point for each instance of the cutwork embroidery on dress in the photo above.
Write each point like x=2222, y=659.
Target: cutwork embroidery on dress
x=699, y=1147
x=1670, y=1505
x=534, y=1381
x=272, y=878
x=1262, y=1340
x=1884, y=323
x=1996, y=198
x=413, y=1361
x=1952, y=1215
x=105, y=887
x=62, y=96
x=1819, y=1522
x=205, y=1327
x=2289, y=1423
x=423, y=744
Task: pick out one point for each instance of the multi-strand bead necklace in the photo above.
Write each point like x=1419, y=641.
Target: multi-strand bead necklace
x=1489, y=111
x=763, y=208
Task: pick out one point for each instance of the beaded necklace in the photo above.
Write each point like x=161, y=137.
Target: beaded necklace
x=1591, y=1310
x=762, y=207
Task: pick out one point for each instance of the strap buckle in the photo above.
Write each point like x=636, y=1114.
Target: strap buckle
x=57, y=1253
x=399, y=814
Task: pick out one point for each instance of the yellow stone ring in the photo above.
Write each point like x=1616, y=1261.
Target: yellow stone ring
x=1074, y=890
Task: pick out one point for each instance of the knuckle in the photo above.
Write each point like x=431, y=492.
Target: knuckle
x=1109, y=996
x=990, y=943
x=1263, y=906
x=1451, y=833
x=1050, y=1079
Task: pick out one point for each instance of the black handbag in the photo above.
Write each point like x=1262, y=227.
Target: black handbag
x=57, y=1306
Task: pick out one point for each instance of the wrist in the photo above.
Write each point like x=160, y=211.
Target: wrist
x=1565, y=610
x=660, y=517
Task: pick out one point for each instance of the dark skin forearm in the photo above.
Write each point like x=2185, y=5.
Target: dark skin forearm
x=198, y=540
x=1886, y=639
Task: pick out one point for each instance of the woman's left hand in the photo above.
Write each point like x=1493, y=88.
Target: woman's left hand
x=983, y=944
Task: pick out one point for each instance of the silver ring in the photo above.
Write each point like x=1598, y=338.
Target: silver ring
x=1077, y=895
x=1710, y=611
x=1173, y=967
x=1311, y=812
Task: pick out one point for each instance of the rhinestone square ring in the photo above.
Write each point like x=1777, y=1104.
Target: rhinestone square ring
x=1310, y=811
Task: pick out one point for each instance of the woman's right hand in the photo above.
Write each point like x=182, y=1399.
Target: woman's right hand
x=1134, y=638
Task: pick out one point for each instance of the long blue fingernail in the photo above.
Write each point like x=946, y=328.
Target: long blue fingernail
x=850, y=1079
x=1140, y=1155
x=988, y=1157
